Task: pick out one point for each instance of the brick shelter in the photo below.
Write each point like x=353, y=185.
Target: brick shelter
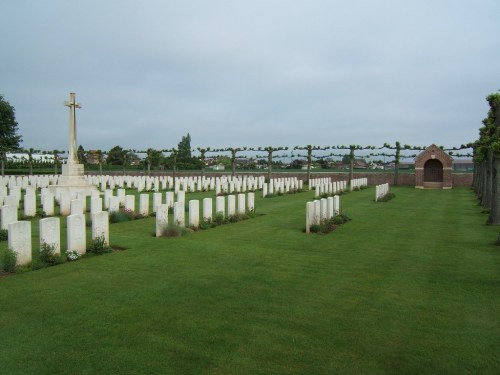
x=433, y=169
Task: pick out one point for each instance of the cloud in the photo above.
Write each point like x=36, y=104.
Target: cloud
x=240, y=73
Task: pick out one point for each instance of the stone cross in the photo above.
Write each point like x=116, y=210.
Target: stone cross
x=72, y=104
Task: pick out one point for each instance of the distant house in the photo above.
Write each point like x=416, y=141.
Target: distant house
x=47, y=158
x=464, y=165
x=217, y=167
x=406, y=165
x=93, y=157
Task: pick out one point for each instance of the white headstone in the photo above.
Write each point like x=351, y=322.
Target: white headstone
x=50, y=233
x=181, y=196
x=161, y=219
x=317, y=212
x=231, y=205
x=241, y=204
x=144, y=204
x=309, y=216
x=100, y=226
x=64, y=204
x=130, y=202
x=207, y=209
x=194, y=214
x=220, y=205
x=323, y=208
x=169, y=198
x=336, y=205
x=7, y=216
x=48, y=204
x=251, y=201
x=76, y=233
x=20, y=241
x=156, y=200
x=120, y=193
x=179, y=215
x=76, y=207
x=30, y=205
x=95, y=205
x=114, y=204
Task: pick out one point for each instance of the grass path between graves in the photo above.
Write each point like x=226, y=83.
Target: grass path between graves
x=407, y=286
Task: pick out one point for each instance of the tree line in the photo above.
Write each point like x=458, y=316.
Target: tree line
x=486, y=154
x=182, y=158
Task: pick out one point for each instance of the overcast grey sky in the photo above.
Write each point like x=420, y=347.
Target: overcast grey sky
x=250, y=73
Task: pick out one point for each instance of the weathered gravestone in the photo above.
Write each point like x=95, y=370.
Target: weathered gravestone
x=207, y=209
x=194, y=214
x=7, y=216
x=100, y=226
x=50, y=233
x=161, y=219
x=76, y=233
x=20, y=241
x=144, y=204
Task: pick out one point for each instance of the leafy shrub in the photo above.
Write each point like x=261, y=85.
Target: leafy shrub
x=48, y=254
x=9, y=260
x=99, y=246
x=121, y=216
x=237, y=217
x=4, y=234
x=219, y=219
x=315, y=228
x=172, y=231
x=207, y=224
x=329, y=225
x=386, y=197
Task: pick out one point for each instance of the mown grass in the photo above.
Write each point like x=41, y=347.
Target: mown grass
x=407, y=286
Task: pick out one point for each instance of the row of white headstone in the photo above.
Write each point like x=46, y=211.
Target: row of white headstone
x=320, y=210
x=281, y=185
x=141, y=183
x=381, y=191
x=225, y=184
x=236, y=204
x=26, y=182
x=326, y=186
x=19, y=237
x=358, y=183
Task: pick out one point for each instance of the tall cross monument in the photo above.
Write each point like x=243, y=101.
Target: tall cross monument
x=72, y=180
x=72, y=104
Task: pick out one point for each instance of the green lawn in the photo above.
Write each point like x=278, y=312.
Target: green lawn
x=408, y=286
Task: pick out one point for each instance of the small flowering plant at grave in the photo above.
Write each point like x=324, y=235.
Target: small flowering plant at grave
x=72, y=255
x=99, y=246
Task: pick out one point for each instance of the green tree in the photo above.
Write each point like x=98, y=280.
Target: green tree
x=202, y=158
x=9, y=139
x=115, y=156
x=30, y=151
x=184, y=150
x=100, y=159
x=184, y=159
x=154, y=158
x=346, y=159
x=80, y=153
x=297, y=164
